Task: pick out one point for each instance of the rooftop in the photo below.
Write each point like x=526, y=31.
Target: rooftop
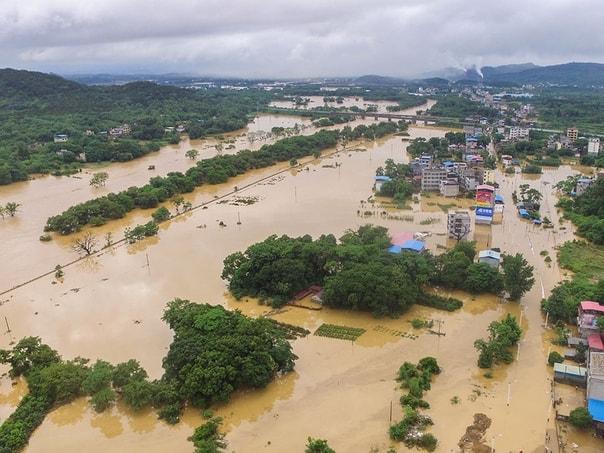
x=588, y=305
x=416, y=246
x=596, y=409
x=485, y=187
x=570, y=369
x=595, y=342
x=489, y=254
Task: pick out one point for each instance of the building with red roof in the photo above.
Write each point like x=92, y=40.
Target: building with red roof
x=587, y=317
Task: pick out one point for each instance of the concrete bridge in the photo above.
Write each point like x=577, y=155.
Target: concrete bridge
x=376, y=115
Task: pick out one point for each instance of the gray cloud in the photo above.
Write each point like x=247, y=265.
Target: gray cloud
x=295, y=38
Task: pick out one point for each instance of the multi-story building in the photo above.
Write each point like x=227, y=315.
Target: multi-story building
x=458, y=224
x=593, y=146
x=449, y=187
x=572, y=133
x=518, y=133
x=595, y=380
x=431, y=178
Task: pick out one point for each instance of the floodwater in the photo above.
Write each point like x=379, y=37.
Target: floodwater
x=317, y=101
x=109, y=306
x=24, y=256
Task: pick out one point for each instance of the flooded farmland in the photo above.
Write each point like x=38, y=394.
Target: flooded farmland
x=109, y=306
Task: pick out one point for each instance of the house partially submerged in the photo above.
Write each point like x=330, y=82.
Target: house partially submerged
x=570, y=374
x=587, y=317
x=379, y=182
x=410, y=245
x=490, y=257
x=595, y=385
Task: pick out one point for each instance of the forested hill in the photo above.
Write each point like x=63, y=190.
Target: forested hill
x=36, y=106
x=574, y=74
x=19, y=87
x=27, y=90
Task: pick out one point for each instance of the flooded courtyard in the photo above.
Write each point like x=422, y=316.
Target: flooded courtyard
x=110, y=305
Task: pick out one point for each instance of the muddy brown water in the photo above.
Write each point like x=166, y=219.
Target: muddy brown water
x=317, y=101
x=110, y=306
x=24, y=256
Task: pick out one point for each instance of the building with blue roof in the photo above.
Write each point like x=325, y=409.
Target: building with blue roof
x=499, y=199
x=413, y=246
x=409, y=245
x=523, y=213
x=596, y=410
x=395, y=249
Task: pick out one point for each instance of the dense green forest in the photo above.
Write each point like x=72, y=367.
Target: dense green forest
x=560, y=108
x=35, y=106
x=587, y=212
x=357, y=272
x=215, y=170
x=213, y=353
x=460, y=107
x=585, y=259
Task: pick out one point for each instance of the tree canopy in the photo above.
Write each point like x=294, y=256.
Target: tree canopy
x=214, y=352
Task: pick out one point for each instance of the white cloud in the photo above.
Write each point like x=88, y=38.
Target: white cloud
x=295, y=37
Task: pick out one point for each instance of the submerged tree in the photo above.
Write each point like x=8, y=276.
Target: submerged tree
x=85, y=244
x=192, y=154
x=318, y=446
x=99, y=179
x=517, y=275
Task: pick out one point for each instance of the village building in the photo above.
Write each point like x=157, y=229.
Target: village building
x=572, y=133
x=595, y=382
x=458, y=224
x=593, y=146
x=60, y=138
x=582, y=185
x=379, y=182
x=587, y=317
x=409, y=245
x=518, y=133
x=449, y=187
x=490, y=257
x=570, y=374
x=431, y=178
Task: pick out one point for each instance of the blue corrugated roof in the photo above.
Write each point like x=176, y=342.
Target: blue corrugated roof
x=499, y=198
x=416, y=246
x=596, y=409
x=523, y=212
x=395, y=249
x=382, y=178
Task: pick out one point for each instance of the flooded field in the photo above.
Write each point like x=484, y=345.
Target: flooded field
x=110, y=305
x=24, y=256
x=317, y=101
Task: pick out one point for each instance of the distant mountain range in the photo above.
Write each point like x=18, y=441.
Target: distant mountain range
x=568, y=74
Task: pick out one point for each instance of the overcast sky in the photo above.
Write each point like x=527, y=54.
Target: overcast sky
x=295, y=38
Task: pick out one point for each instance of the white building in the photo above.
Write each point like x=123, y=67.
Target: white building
x=458, y=224
x=518, y=133
x=60, y=138
x=593, y=146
